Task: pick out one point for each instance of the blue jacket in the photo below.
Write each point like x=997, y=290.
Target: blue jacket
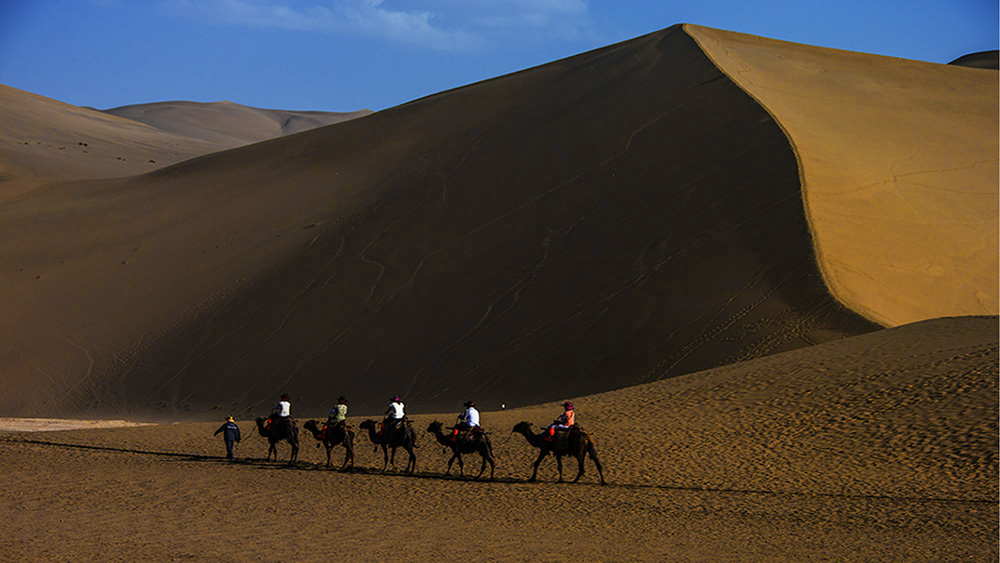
x=230, y=432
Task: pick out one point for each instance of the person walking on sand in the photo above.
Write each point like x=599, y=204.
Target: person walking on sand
x=231, y=435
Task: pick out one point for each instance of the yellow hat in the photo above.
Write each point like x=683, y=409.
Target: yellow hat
x=230, y=419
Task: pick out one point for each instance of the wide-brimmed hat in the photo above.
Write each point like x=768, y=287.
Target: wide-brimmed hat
x=342, y=399
x=568, y=405
x=470, y=404
x=229, y=419
x=285, y=397
x=396, y=399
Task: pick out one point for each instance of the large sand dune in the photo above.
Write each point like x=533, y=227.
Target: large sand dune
x=623, y=216
x=880, y=447
x=899, y=165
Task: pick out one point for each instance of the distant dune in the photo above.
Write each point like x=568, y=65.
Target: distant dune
x=899, y=165
x=226, y=123
x=620, y=217
x=48, y=139
x=982, y=59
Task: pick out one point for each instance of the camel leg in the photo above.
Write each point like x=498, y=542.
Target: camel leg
x=559, y=464
x=295, y=453
x=483, y=466
x=411, y=465
x=450, y=461
x=461, y=465
x=385, y=458
x=541, y=456
x=273, y=448
x=348, y=454
x=593, y=455
x=579, y=458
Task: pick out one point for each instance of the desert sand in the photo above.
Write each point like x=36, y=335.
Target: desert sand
x=663, y=231
x=880, y=447
x=899, y=170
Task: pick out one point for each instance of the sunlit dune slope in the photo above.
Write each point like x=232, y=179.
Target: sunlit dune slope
x=899, y=169
x=45, y=138
x=619, y=217
x=226, y=123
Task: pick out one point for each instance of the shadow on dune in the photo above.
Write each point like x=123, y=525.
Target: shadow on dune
x=619, y=217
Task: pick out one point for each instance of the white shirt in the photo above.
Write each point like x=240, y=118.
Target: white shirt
x=283, y=408
x=471, y=416
x=396, y=410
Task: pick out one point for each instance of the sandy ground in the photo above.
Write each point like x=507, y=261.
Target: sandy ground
x=877, y=448
x=899, y=170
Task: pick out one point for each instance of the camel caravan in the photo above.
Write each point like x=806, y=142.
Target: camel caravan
x=564, y=437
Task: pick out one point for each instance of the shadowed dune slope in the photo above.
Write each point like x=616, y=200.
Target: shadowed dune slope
x=899, y=165
x=226, y=123
x=982, y=59
x=619, y=217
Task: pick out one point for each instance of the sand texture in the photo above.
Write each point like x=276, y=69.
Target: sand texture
x=881, y=447
x=899, y=170
x=619, y=217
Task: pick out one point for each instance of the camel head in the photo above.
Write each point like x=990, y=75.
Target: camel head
x=435, y=427
x=524, y=427
x=367, y=425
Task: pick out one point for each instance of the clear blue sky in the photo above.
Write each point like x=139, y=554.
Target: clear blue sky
x=342, y=55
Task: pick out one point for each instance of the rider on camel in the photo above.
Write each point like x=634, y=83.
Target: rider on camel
x=337, y=416
x=395, y=414
x=468, y=420
x=281, y=413
x=566, y=420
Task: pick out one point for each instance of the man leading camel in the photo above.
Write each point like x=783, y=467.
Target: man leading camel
x=231, y=435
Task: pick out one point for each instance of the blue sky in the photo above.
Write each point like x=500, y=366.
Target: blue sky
x=342, y=55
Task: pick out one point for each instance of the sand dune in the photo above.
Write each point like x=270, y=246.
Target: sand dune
x=45, y=138
x=899, y=170
x=982, y=59
x=880, y=447
x=619, y=217
x=226, y=123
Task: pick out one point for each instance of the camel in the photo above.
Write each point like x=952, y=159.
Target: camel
x=277, y=433
x=338, y=434
x=400, y=436
x=578, y=444
x=479, y=444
